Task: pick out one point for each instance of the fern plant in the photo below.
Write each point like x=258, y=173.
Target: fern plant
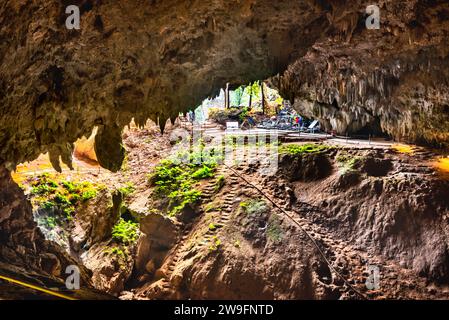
x=125, y=232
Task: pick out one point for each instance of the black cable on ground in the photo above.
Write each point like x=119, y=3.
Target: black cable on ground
x=323, y=255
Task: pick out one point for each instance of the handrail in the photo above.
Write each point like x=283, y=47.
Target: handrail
x=34, y=287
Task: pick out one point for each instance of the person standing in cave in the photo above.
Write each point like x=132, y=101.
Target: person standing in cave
x=192, y=116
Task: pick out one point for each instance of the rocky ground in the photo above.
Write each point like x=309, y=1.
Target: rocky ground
x=329, y=212
x=360, y=214
x=139, y=61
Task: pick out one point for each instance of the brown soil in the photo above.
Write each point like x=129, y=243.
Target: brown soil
x=390, y=213
x=389, y=210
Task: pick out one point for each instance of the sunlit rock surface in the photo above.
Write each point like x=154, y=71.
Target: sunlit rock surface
x=22, y=243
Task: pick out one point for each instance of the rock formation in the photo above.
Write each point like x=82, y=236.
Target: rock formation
x=136, y=59
x=22, y=243
x=152, y=59
x=130, y=59
x=392, y=80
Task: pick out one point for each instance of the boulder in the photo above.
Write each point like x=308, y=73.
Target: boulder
x=159, y=235
x=110, y=270
x=95, y=220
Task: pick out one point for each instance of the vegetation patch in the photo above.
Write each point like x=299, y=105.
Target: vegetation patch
x=297, y=149
x=178, y=180
x=50, y=222
x=204, y=172
x=244, y=113
x=60, y=197
x=215, y=244
x=213, y=206
x=274, y=229
x=127, y=189
x=125, y=232
x=219, y=184
x=348, y=162
x=183, y=198
x=212, y=226
x=125, y=164
x=121, y=254
x=116, y=251
x=88, y=194
x=254, y=206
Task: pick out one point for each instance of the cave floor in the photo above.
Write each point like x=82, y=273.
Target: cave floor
x=147, y=147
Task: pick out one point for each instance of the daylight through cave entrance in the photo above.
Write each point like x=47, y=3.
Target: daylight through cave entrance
x=182, y=184
x=317, y=168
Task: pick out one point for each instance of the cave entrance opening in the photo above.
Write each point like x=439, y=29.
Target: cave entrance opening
x=89, y=211
x=372, y=130
x=254, y=105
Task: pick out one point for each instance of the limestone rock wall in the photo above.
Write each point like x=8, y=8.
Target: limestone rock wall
x=22, y=244
x=392, y=80
x=142, y=59
x=152, y=59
